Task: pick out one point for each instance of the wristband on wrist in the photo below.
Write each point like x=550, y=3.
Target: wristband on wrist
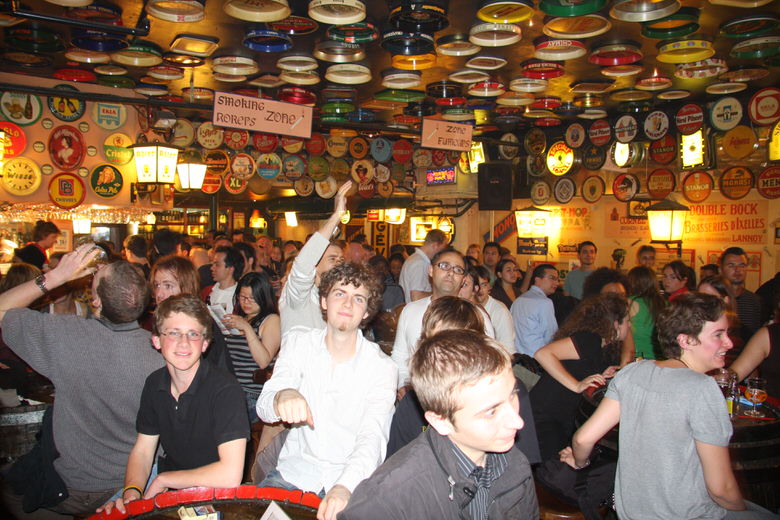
x=127, y=488
x=584, y=465
x=40, y=281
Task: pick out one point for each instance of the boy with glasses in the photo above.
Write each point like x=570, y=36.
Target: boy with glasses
x=193, y=409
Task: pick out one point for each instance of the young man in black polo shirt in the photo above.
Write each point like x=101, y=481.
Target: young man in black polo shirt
x=195, y=410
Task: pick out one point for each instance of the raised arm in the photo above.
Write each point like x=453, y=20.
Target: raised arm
x=754, y=353
x=339, y=208
x=550, y=357
x=73, y=265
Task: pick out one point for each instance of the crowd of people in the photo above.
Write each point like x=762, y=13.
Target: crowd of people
x=181, y=363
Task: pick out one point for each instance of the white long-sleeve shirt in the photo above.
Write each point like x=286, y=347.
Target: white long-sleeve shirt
x=408, y=333
x=351, y=405
x=502, y=323
x=299, y=303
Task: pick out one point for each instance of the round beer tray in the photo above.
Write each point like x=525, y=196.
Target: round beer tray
x=592, y=189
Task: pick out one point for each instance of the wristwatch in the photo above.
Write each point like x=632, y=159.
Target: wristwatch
x=40, y=281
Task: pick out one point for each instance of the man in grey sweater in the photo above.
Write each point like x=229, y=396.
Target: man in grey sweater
x=98, y=367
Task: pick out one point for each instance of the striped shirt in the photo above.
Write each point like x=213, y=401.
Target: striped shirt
x=244, y=364
x=483, y=477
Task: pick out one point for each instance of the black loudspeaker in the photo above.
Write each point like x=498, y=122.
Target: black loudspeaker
x=495, y=185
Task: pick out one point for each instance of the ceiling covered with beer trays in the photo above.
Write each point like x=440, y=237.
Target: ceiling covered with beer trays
x=502, y=64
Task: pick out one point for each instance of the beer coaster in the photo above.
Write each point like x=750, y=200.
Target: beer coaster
x=485, y=63
x=236, y=139
x=257, y=10
x=234, y=65
x=456, y=45
x=725, y=113
x=622, y=71
x=381, y=149
x=22, y=108
x=744, y=73
x=26, y=60
x=593, y=157
x=736, y=182
x=385, y=189
x=689, y=118
x=269, y=165
x=193, y=94
x=266, y=40
x=234, y=185
x=116, y=149
x=708, y=68
x=292, y=144
x=362, y=171
x=564, y=190
x=210, y=136
x=21, y=176
x=575, y=135
x=293, y=166
x=297, y=63
x=508, y=99
x=211, y=183
x=768, y=182
x=407, y=43
x=529, y=85
x=490, y=34
x=421, y=158
x=536, y=164
x=625, y=187
x=626, y=128
x=540, y=193
x=304, y=186
x=359, y=32
x=67, y=147
x=315, y=145
x=539, y=69
x=656, y=125
x=571, y=9
x=753, y=48
x=178, y=11
x=642, y=11
x=506, y=151
x=401, y=79
x=615, y=52
x=337, y=12
x=340, y=169
x=684, y=51
x=750, y=26
x=660, y=183
x=560, y=159
x=592, y=113
x=348, y=73
x=670, y=95
x=110, y=70
x=265, y=143
x=653, y=83
x=326, y=188
x=338, y=52
x=550, y=120
x=85, y=56
x=242, y=166
x=592, y=189
x=413, y=61
x=402, y=151
x=600, y=132
x=505, y=11
x=764, y=106
x=140, y=53
x=591, y=86
x=106, y=181
x=358, y=147
x=336, y=146
x=697, y=186
x=294, y=25
x=259, y=186
x=72, y=74
x=66, y=190
x=486, y=89
x=580, y=27
x=739, y=142
x=183, y=133
x=535, y=141
x=300, y=78
x=558, y=49
x=318, y=168
x=728, y=87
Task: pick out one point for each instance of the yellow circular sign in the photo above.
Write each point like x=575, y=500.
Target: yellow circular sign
x=739, y=142
x=560, y=158
x=21, y=176
x=67, y=190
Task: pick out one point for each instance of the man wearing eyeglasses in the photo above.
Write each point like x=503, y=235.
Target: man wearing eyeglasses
x=733, y=265
x=194, y=410
x=447, y=270
x=533, y=312
x=415, y=271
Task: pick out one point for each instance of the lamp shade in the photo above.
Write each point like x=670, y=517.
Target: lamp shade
x=191, y=175
x=666, y=220
x=155, y=162
x=291, y=218
x=395, y=215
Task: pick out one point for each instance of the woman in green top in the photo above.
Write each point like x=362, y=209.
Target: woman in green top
x=646, y=303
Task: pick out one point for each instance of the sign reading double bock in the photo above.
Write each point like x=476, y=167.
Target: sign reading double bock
x=445, y=135
x=264, y=115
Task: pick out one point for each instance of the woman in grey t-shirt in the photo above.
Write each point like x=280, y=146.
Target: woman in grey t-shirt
x=674, y=426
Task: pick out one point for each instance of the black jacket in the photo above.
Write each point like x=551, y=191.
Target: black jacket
x=422, y=481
